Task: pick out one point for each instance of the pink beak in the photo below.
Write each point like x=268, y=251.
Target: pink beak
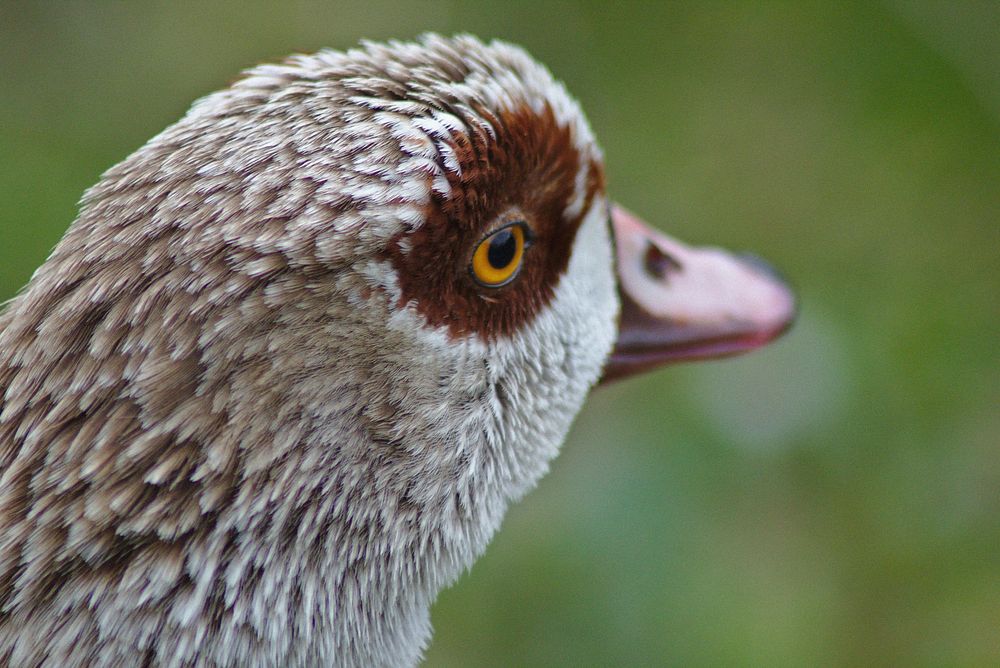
x=682, y=303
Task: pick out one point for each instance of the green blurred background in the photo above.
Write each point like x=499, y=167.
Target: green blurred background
x=832, y=500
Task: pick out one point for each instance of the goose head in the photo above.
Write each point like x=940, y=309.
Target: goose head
x=282, y=377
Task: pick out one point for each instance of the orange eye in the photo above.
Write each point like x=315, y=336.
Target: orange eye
x=498, y=256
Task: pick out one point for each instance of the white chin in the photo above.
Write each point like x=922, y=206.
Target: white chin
x=572, y=337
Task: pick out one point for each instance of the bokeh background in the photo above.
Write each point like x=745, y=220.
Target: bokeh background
x=832, y=500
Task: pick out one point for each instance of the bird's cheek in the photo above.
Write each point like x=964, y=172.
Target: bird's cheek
x=683, y=303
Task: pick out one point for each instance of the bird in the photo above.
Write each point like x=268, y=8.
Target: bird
x=281, y=378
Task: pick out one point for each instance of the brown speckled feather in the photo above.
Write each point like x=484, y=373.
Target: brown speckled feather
x=253, y=412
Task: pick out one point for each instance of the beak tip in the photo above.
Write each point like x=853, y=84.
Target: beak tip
x=787, y=303
x=784, y=309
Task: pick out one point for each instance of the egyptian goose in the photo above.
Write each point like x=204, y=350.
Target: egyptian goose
x=278, y=383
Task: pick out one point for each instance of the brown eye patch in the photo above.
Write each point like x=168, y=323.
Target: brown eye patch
x=528, y=174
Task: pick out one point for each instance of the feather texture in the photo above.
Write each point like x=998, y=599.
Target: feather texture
x=230, y=432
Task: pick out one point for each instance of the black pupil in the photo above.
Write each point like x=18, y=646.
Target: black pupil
x=503, y=247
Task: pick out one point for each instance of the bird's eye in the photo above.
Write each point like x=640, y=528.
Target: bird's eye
x=498, y=256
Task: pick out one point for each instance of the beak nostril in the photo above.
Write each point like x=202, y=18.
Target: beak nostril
x=657, y=263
